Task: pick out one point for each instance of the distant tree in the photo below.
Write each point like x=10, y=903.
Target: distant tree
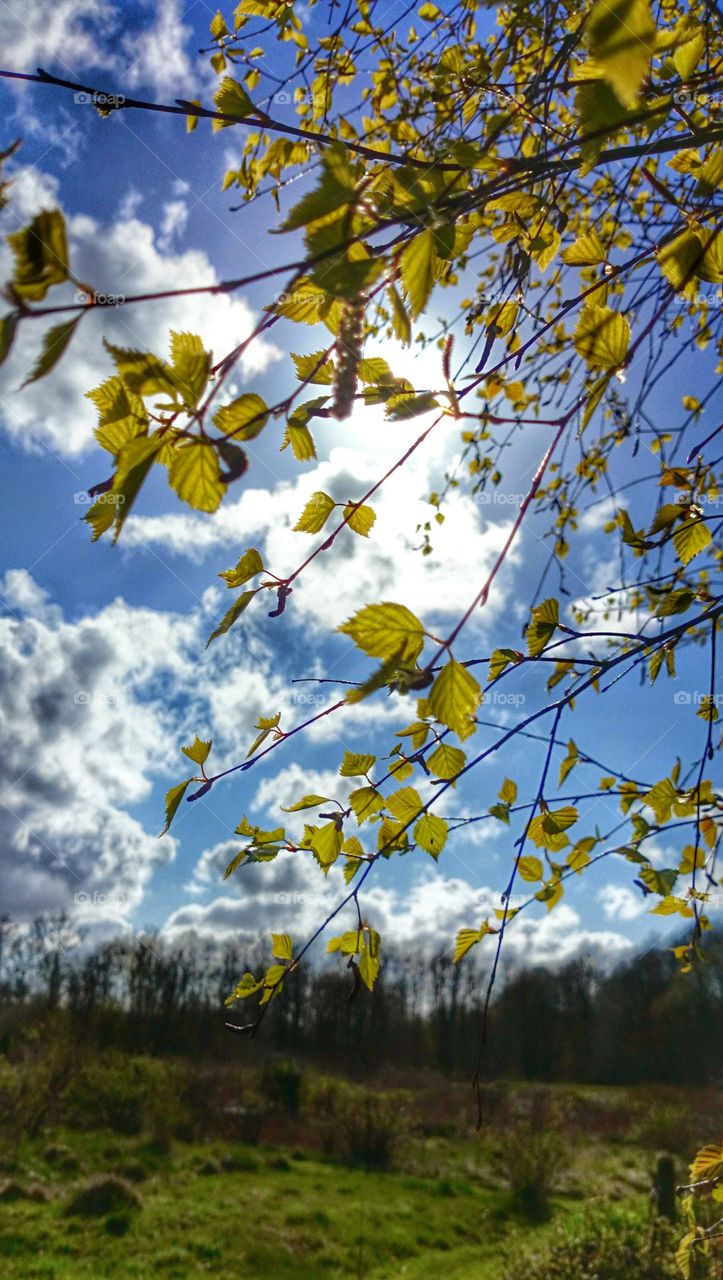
x=555, y=169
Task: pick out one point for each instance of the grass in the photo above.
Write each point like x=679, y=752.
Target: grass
x=270, y=1213
x=292, y=1210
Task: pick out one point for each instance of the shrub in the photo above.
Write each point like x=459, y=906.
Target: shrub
x=282, y=1084
x=103, y=1195
x=618, y=1248
x=369, y=1129
x=532, y=1159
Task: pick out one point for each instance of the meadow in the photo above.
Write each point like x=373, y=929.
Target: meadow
x=137, y=1167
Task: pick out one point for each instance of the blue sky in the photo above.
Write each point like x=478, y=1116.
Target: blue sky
x=104, y=669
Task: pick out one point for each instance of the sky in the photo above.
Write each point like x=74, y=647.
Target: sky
x=103, y=670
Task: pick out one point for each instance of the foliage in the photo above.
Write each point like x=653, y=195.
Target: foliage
x=604, y=1250
x=553, y=171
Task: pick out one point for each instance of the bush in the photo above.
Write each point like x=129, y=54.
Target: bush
x=103, y=1195
x=282, y=1085
x=369, y=1129
x=531, y=1159
x=619, y=1248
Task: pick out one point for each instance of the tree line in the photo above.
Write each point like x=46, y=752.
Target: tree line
x=640, y=1022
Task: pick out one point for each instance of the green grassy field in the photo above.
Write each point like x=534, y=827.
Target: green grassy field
x=237, y=1211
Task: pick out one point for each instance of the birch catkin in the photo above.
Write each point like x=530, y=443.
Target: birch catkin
x=349, y=347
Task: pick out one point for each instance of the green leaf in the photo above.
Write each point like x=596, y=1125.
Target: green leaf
x=173, y=799
x=41, y=255
x=244, y=419
x=410, y=406
x=191, y=366
x=545, y=619
x=508, y=791
x=355, y=765
x=249, y=565
x=359, y=519
x=690, y=539
x=301, y=441
x=8, y=327
x=194, y=474
x=601, y=337
x=369, y=961
x=315, y=513
x=621, y=38
x=134, y=462
x=375, y=370
x=454, y=698
x=468, y=938
x=55, y=342
x=326, y=843
x=388, y=631
x=314, y=368
x=307, y=802
x=418, y=264
x=586, y=250
x=306, y=302
x=365, y=801
x=688, y=56
x=282, y=946
x=430, y=834
x=228, y=619
x=198, y=751
x=232, y=99
x=404, y=803
x=500, y=659
x=446, y=761
x=571, y=759
x=142, y=372
x=530, y=868
x=547, y=829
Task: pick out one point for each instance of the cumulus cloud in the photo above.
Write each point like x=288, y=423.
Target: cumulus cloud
x=71, y=36
x=88, y=730
x=122, y=258
x=620, y=903
x=387, y=566
x=291, y=895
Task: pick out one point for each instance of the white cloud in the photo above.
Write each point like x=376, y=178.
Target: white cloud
x=122, y=258
x=386, y=566
x=88, y=730
x=157, y=55
x=620, y=903
x=69, y=33
x=291, y=895
x=71, y=36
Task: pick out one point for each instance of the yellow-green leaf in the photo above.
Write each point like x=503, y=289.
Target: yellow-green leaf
x=430, y=833
x=454, y=698
x=388, y=631
x=315, y=513
x=194, y=474
x=601, y=337
x=621, y=39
